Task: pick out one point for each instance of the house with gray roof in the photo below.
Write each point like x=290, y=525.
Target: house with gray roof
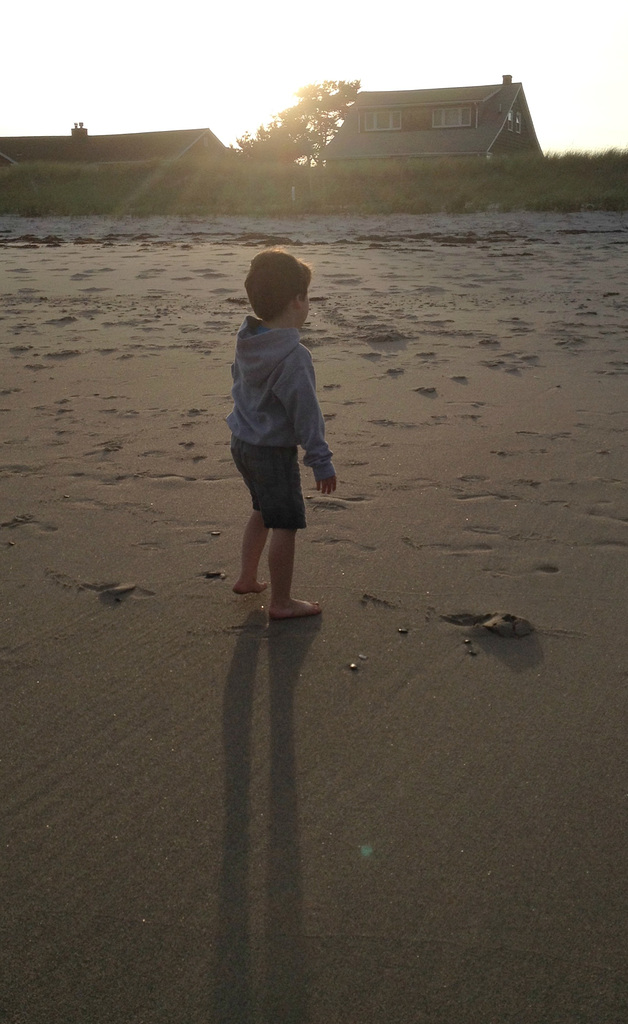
x=470, y=121
x=80, y=147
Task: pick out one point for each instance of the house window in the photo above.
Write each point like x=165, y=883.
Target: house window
x=510, y=120
x=451, y=117
x=518, y=122
x=382, y=121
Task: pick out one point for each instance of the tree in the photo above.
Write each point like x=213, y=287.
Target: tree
x=301, y=132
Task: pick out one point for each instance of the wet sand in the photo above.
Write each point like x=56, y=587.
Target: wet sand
x=214, y=818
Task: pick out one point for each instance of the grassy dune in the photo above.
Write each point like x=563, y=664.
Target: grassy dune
x=567, y=182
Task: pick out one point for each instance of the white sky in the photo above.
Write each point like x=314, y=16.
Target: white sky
x=129, y=65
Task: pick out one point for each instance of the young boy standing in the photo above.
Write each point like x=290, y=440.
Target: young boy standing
x=275, y=410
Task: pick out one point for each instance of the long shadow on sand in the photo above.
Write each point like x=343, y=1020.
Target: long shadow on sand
x=281, y=962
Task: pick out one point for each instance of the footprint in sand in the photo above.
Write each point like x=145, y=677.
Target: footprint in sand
x=109, y=593
x=66, y=353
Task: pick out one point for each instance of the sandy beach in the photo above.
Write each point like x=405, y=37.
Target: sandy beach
x=210, y=819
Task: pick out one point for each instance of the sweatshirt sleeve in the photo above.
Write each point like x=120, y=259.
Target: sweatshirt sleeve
x=295, y=388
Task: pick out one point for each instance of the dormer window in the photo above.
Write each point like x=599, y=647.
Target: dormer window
x=511, y=118
x=518, y=122
x=451, y=117
x=382, y=121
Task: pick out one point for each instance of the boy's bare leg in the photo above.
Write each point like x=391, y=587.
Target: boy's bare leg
x=253, y=541
x=281, y=565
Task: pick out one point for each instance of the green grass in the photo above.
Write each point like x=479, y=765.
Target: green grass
x=555, y=183
x=235, y=185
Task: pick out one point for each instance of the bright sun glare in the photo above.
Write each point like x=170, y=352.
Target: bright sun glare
x=232, y=67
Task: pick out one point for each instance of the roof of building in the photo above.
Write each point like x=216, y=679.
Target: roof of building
x=417, y=97
x=106, y=148
x=494, y=101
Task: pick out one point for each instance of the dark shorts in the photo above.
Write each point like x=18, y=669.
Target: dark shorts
x=272, y=476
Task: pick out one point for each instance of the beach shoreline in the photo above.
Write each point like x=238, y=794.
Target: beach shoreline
x=311, y=227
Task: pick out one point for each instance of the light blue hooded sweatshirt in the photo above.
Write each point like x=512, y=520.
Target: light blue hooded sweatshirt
x=274, y=394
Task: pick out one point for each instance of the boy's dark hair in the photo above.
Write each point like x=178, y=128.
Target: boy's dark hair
x=274, y=279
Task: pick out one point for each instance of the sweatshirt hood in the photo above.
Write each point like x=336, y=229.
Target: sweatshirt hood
x=259, y=354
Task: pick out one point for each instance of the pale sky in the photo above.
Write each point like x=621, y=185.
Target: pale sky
x=133, y=66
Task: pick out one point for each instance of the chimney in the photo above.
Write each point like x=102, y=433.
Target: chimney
x=507, y=79
x=79, y=132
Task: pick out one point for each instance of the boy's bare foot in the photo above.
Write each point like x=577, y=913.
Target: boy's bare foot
x=240, y=587
x=295, y=610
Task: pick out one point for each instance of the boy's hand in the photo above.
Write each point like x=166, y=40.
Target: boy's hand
x=326, y=486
